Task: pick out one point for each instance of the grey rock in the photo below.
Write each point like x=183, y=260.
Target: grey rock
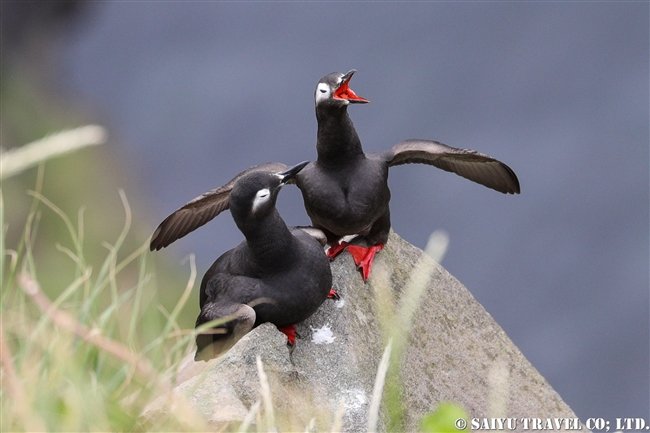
x=455, y=352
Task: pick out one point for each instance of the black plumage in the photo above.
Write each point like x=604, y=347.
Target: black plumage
x=345, y=191
x=277, y=274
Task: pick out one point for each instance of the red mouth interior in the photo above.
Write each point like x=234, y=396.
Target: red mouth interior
x=344, y=92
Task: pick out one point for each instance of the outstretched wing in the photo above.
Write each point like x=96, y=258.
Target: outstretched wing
x=469, y=164
x=202, y=209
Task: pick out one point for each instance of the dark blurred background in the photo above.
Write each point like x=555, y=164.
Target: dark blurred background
x=192, y=93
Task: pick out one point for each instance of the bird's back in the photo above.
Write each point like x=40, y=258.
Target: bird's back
x=300, y=289
x=283, y=295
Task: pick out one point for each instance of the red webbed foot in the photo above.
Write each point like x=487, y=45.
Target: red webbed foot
x=363, y=257
x=333, y=295
x=335, y=250
x=290, y=332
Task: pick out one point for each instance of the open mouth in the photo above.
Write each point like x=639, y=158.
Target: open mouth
x=344, y=92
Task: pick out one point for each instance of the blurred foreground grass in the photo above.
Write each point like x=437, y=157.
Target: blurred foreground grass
x=88, y=333
x=92, y=357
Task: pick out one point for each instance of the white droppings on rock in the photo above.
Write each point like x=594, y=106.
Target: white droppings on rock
x=354, y=399
x=322, y=335
x=339, y=303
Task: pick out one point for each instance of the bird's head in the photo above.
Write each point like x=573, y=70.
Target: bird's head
x=333, y=90
x=254, y=195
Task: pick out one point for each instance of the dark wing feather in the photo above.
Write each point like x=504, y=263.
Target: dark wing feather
x=469, y=164
x=202, y=209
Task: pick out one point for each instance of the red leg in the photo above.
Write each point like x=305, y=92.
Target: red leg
x=335, y=250
x=333, y=295
x=290, y=332
x=363, y=257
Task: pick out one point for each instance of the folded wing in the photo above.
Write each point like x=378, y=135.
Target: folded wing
x=202, y=209
x=469, y=164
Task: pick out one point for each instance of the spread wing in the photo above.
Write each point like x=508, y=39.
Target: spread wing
x=202, y=209
x=469, y=164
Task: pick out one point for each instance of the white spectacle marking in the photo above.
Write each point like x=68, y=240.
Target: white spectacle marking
x=322, y=335
x=322, y=92
x=261, y=197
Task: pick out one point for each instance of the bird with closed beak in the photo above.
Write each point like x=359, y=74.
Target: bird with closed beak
x=277, y=274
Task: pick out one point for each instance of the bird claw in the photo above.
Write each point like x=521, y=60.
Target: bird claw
x=333, y=294
x=363, y=257
x=335, y=250
x=290, y=332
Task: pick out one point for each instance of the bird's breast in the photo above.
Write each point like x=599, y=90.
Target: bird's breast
x=346, y=202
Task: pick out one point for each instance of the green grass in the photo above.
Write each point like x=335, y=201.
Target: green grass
x=91, y=358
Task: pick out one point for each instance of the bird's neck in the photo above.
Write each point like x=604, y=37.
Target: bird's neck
x=270, y=240
x=337, y=140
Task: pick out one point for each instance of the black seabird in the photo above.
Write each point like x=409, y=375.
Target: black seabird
x=346, y=190
x=276, y=275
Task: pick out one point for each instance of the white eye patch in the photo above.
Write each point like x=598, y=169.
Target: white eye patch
x=261, y=197
x=322, y=92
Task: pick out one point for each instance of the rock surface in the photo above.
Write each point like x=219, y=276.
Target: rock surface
x=455, y=352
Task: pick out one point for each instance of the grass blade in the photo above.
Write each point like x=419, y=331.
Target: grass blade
x=20, y=159
x=373, y=410
x=265, y=390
